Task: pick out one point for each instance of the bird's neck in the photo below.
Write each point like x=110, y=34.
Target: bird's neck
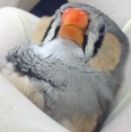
x=64, y=50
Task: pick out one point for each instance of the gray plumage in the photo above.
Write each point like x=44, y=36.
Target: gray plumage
x=59, y=71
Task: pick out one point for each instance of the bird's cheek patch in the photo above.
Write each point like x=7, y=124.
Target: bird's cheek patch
x=108, y=55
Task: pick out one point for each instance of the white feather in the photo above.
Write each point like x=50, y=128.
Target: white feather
x=61, y=49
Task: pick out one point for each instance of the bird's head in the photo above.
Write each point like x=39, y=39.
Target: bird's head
x=96, y=35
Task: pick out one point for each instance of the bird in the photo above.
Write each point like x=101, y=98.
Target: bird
x=75, y=72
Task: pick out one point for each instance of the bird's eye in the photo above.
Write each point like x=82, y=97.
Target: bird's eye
x=61, y=13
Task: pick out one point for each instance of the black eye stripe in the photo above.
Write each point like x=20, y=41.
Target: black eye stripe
x=56, y=32
x=98, y=43
x=85, y=42
x=102, y=29
x=48, y=29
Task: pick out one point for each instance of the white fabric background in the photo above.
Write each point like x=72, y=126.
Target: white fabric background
x=23, y=4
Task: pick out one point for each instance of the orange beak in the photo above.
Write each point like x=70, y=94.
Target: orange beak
x=74, y=24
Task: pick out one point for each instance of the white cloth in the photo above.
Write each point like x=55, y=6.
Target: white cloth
x=23, y=4
x=16, y=26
